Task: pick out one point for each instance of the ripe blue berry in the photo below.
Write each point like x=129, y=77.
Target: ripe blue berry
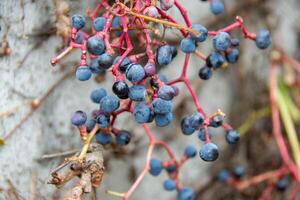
x=215, y=60
x=171, y=168
x=109, y=104
x=190, y=151
x=137, y=93
x=209, y=152
x=103, y=138
x=83, y=73
x=221, y=41
x=232, y=136
x=186, y=127
x=263, y=39
x=161, y=106
x=233, y=55
x=201, y=134
x=163, y=120
x=78, y=118
x=124, y=64
x=97, y=95
x=282, y=184
x=173, y=51
x=95, y=45
x=223, y=176
x=205, y=73
x=90, y=123
x=235, y=42
x=123, y=137
x=187, y=45
x=186, y=194
x=141, y=113
x=116, y=22
x=105, y=61
x=103, y=120
x=135, y=72
x=155, y=167
x=216, y=7
x=239, y=171
x=95, y=67
x=216, y=121
x=78, y=21
x=99, y=23
x=196, y=120
x=203, y=33
x=166, y=92
x=169, y=185
x=79, y=37
x=121, y=89
x=164, y=55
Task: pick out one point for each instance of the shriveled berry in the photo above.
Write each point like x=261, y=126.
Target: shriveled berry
x=78, y=118
x=209, y=152
x=83, y=73
x=78, y=21
x=95, y=45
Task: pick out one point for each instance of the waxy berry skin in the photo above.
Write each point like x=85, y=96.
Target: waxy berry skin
x=99, y=23
x=161, y=106
x=209, y=152
x=141, y=113
x=97, y=95
x=103, y=138
x=164, y=55
x=205, y=73
x=221, y=41
x=121, y=89
x=155, y=167
x=223, y=176
x=216, y=121
x=95, y=45
x=238, y=171
x=79, y=37
x=190, y=151
x=123, y=138
x=196, y=120
x=201, y=134
x=90, y=124
x=215, y=60
x=105, y=61
x=162, y=120
x=78, y=21
x=135, y=72
x=137, y=93
x=216, y=7
x=186, y=127
x=95, y=67
x=186, y=194
x=78, y=118
x=103, y=121
x=124, y=64
x=232, y=56
x=109, y=104
x=169, y=185
x=263, y=39
x=282, y=184
x=187, y=45
x=232, y=137
x=83, y=73
x=166, y=92
x=203, y=33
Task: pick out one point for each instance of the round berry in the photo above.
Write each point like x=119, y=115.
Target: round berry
x=205, y=73
x=155, y=167
x=163, y=120
x=141, y=113
x=121, y=89
x=190, y=151
x=186, y=194
x=161, y=106
x=103, y=138
x=169, y=185
x=166, y=4
x=166, y=92
x=282, y=184
x=123, y=137
x=209, y=152
x=83, y=73
x=235, y=42
x=103, y=120
x=216, y=121
x=171, y=168
x=233, y=55
x=186, y=127
x=137, y=93
x=99, y=23
x=187, y=45
x=216, y=7
x=196, y=120
x=239, y=171
x=124, y=64
x=90, y=124
x=201, y=134
x=232, y=136
x=150, y=69
x=105, y=61
x=223, y=176
x=263, y=39
x=135, y=72
x=109, y=104
x=215, y=60
x=78, y=21
x=95, y=45
x=78, y=118
x=201, y=30
x=173, y=51
x=97, y=95
x=221, y=41
x=79, y=37
x=95, y=67
x=164, y=55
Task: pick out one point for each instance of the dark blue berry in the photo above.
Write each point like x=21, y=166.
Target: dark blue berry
x=164, y=55
x=116, y=22
x=78, y=21
x=137, y=93
x=166, y=92
x=216, y=7
x=205, y=73
x=97, y=95
x=161, y=106
x=171, y=168
x=215, y=60
x=155, y=167
x=163, y=120
x=121, y=89
x=103, y=138
x=201, y=134
x=223, y=176
x=239, y=171
x=235, y=42
x=103, y=120
x=95, y=45
x=203, y=33
x=78, y=118
x=169, y=185
x=105, y=61
x=233, y=55
x=99, y=23
x=263, y=39
x=79, y=37
x=95, y=67
x=173, y=51
x=282, y=184
x=216, y=121
x=190, y=151
x=186, y=127
x=90, y=124
x=221, y=41
x=123, y=137
x=135, y=72
x=186, y=194
x=232, y=136
x=109, y=104
x=209, y=152
x=124, y=64
x=196, y=120
x=83, y=73
x=141, y=113
x=187, y=45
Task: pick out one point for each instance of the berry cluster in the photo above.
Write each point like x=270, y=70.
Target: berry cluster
x=138, y=88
